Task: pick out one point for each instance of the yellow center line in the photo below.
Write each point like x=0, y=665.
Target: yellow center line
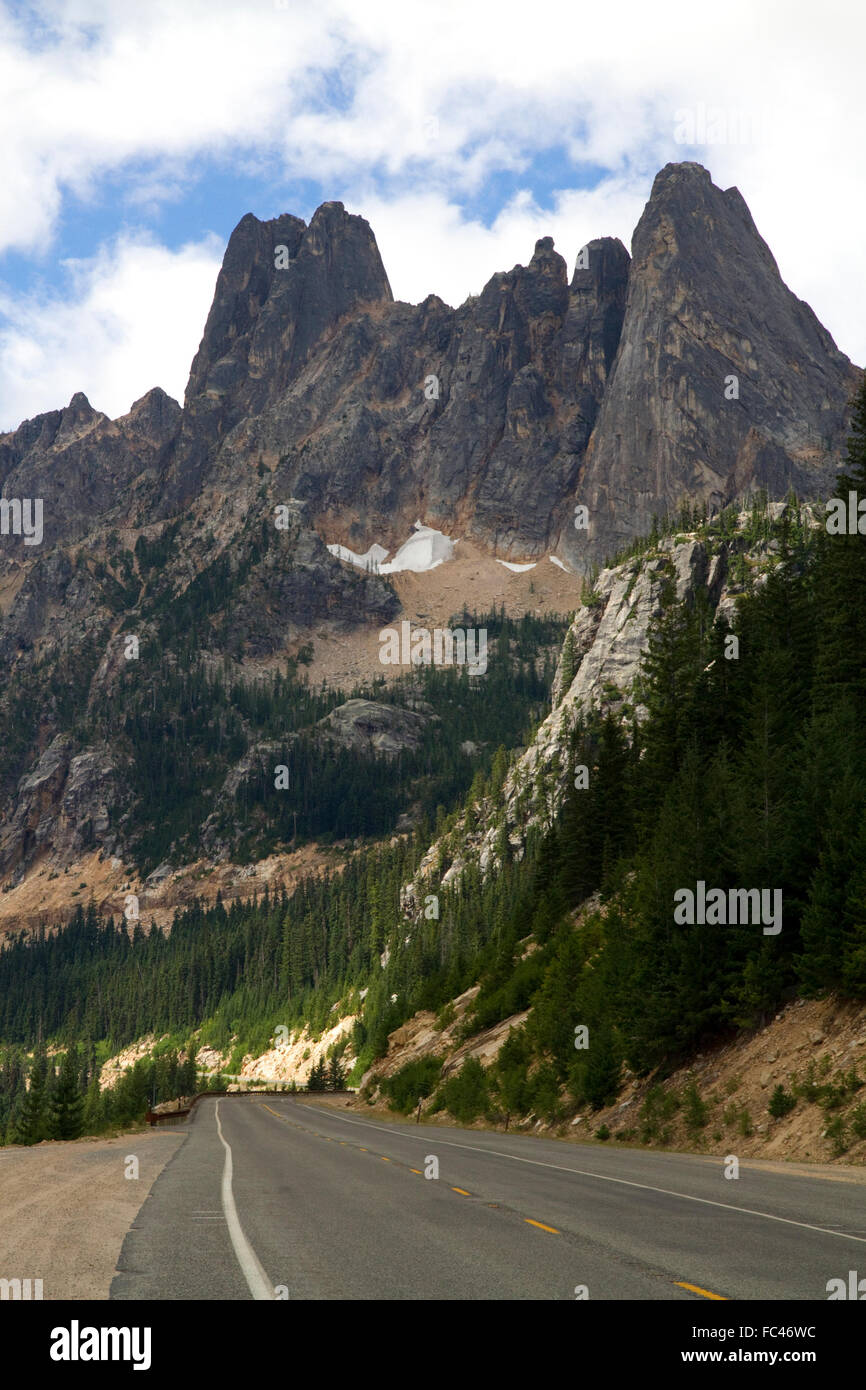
x=363, y=1150
x=416, y=1170
x=462, y=1191
x=541, y=1226
x=384, y=1159
x=267, y=1107
x=705, y=1293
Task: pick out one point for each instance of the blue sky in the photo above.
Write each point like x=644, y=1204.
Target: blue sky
x=134, y=138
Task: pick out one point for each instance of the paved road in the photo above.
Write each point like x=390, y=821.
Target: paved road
x=279, y=1194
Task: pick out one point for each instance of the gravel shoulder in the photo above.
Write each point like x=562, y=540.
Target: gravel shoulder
x=66, y=1207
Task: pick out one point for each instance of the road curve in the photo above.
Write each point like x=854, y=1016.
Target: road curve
x=276, y=1197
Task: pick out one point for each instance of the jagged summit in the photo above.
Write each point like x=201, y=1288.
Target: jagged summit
x=686, y=370
x=282, y=285
x=724, y=380
x=490, y=422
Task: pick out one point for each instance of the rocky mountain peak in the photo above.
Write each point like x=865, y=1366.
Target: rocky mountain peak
x=78, y=415
x=688, y=216
x=282, y=289
x=724, y=381
x=155, y=415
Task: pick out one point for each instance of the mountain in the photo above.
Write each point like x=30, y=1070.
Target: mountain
x=523, y=964
x=705, y=303
x=494, y=419
x=519, y=955
x=316, y=395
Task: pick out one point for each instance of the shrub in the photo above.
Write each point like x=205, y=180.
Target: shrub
x=512, y=1073
x=415, y=1080
x=445, y=1017
x=658, y=1105
x=544, y=1093
x=466, y=1095
x=781, y=1103
x=602, y=1132
x=695, y=1110
x=837, y=1135
x=858, y=1121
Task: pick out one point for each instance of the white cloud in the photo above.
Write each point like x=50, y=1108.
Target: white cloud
x=429, y=248
x=402, y=109
x=133, y=320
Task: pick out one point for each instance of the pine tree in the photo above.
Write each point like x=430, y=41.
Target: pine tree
x=336, y=1074
x=569, y=665
x=66, y=1102
x=840, y=576
x=318, y=1076
x=31, y=1123
x=95, y=1111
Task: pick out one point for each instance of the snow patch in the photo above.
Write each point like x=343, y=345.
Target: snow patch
x=370, y=560
x=553, y=560
x=518, y=569
x=423, y=551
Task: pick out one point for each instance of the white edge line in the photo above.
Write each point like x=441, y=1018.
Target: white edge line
x=246, y=1256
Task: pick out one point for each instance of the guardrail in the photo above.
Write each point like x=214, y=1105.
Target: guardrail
x=156, y=1118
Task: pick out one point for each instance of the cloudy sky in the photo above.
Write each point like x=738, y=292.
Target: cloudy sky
x=134, y=136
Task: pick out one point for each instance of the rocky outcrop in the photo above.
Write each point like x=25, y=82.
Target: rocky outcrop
x=87, y=470
x=367, y=726
x=299, y=587
x=476, y=418
x=494, y=419
x=282, y=288
x=68, y=804
x=706, y=305
x=608, y=640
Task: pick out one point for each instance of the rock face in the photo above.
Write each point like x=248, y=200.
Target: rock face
x=368, y=726
x=495, y=419
x=706, y=304
x=64, y=805
x=492, y=420
x=609, y=638
x=475, y=418
x=283, y=286
x=299, y=587
x=314, y=391
x=86, y=467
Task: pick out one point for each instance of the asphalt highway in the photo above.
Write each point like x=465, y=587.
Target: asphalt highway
x=273, y=1197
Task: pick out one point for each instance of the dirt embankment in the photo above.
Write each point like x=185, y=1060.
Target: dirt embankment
x=719, y=1104
x=67, y=1207
x=814, y=1049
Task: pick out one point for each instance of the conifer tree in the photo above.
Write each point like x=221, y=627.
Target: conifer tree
x=31, y=1124
x=66, y=1103
x=336, y=1074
